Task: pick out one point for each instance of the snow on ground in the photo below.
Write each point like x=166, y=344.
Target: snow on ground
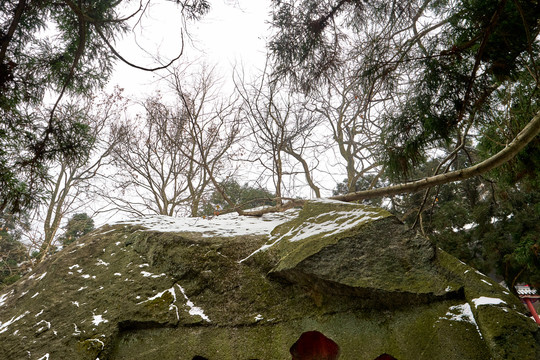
x=42, y=276
x=193, y=310
x=232, y=224
x=148, y=274
x=460, y=313
x=39, y=278
x=487, y=282
x=331, y=201
x=481, y=274
x=101, y=262
x=101, y=343
x=76, y=332
x=226, y=225
x=45, y=325
x=172, y=306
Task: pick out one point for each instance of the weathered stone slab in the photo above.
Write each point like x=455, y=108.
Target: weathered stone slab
x=224, y=290
x=383, y=256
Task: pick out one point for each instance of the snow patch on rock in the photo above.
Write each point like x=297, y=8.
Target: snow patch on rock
x=4, y=297
x=193, y=310
x=226, y=225
x=4, y=326
x=461, y=313
x=98, y=319
x=484, y=300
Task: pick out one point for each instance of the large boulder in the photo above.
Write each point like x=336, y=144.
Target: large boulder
x=344, y=280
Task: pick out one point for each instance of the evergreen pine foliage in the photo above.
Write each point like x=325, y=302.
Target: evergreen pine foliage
x=447, y=76
x=12, y=254
x=243, y=196
x=60, y=48
x=79, y=225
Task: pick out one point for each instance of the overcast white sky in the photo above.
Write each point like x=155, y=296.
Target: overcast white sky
x=233, y=32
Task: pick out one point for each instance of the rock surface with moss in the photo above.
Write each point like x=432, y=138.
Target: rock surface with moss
x=148, y=289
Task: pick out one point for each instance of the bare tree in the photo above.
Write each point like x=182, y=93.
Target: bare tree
x=168, y=162
x=151, y=163
x=525, y=136
x=71, y=177
x=212, y=126
x=281, y=129
x=350, y=106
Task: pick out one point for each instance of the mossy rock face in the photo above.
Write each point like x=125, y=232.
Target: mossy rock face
x=353, y=273
x=382, y=255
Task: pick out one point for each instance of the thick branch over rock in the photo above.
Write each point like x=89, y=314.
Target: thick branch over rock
x=278, y=208
x=526, y=135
